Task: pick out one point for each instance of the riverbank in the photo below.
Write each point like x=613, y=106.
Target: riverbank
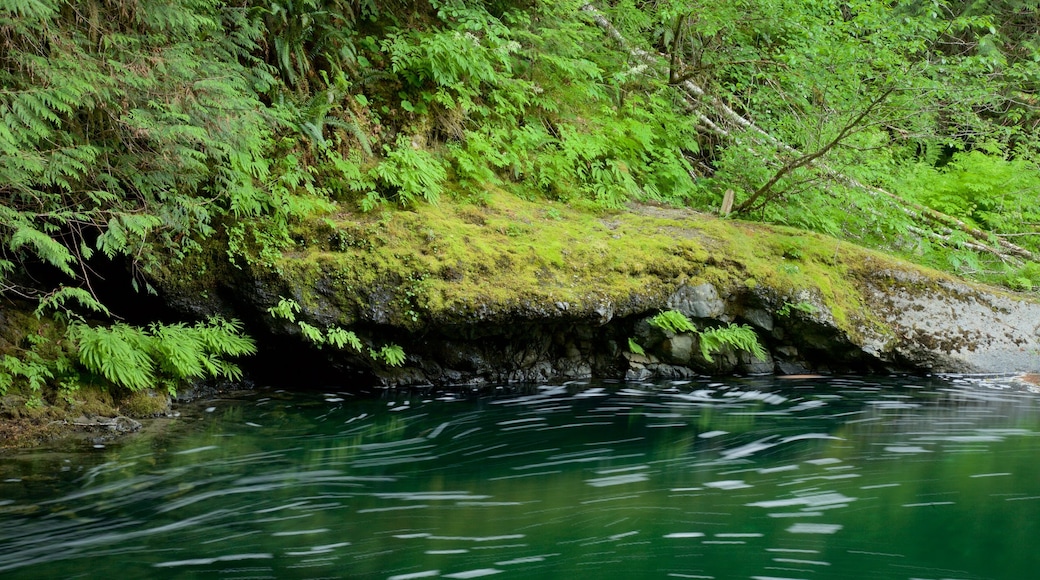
x=501, y=289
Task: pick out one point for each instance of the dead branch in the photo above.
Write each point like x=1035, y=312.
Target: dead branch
x=694, y=92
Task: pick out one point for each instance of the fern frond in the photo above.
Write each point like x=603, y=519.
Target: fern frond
x=339, y=338
x=58, y=298
x=116, y=354
x=44, y=246
x=740, y=337
x=673, y=321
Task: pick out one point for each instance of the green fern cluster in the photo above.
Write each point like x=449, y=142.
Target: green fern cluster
x=522, y=94
x=35, y=371
x=712, y=340
x=125, y=127
x=739, y=337
x=162, y=355
x=673, y=321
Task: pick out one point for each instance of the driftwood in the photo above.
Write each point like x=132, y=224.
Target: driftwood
x=697, y=98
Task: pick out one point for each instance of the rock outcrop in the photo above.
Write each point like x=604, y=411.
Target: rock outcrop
x=503, y=293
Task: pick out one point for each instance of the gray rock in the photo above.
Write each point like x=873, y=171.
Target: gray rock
x=950, y=326
x=701, y=301
x=755, y=366
x=678, y=349
x=759, y=317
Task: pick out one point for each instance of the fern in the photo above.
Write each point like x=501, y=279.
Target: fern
x=311, y=333
x=634, y=347
x=286, y=309
x=740, y=337
x=32, y=368
x=408, y=174
x=334, y=336
x=136, y=358
x=63, y=294
x=673, y=321
x=44, y=246
x=391, y=354
x=119, y=354
x=340, y=338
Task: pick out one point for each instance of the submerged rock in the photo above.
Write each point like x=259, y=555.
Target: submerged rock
x=118, y=424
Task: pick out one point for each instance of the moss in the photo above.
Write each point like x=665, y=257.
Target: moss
x=146, y=403
x=459, y=262
x=91, y=400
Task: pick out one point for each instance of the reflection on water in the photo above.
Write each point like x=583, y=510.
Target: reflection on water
x=756, y=478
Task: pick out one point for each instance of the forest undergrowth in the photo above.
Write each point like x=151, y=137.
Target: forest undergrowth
x=133, y=132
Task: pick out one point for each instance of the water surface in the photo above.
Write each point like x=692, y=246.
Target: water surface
x=743, y=478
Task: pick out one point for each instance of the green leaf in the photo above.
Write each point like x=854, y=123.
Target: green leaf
x=673, y=321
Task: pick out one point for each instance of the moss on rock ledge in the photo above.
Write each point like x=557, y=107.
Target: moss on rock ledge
x=506, y=289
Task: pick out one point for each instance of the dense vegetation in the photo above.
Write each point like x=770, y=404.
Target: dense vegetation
x=134, y=131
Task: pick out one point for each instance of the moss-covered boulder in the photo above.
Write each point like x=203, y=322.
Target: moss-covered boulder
x=508, y=290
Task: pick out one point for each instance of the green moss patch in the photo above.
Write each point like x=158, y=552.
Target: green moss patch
x=463, y=262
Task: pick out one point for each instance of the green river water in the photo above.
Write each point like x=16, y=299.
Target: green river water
x=836, y=478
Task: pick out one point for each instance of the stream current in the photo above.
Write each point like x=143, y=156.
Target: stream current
x=758, y=478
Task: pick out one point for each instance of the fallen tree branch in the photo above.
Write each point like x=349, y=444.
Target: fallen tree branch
x=809, y=158
x=695, y=93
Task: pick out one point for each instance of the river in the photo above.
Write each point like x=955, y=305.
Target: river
x=757, y=478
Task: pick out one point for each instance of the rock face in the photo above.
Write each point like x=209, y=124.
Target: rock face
x=484, y=304
x=949, y=326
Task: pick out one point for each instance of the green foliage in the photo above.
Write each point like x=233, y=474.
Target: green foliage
x=1025, y=278
x=390, y=354
x=125, y=128
x=309, y=39
x=286, y=309
x=37, y=361
x=407, y=174
x=634, y=348
x=56, y=300
x=986, y=189
x=739, y=337
x=339, y=338
x=673, y=321
x=334, y=336
x=32, y=369
x=137, y=358
x=801, y=306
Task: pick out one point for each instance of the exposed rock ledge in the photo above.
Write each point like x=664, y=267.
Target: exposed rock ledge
x=508, y=291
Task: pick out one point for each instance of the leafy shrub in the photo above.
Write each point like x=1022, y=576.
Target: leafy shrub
x=983, y=188
x=408, y=175
x=31, y=368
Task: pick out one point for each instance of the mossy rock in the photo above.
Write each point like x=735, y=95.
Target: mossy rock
x=467, y=288
x=145, y=403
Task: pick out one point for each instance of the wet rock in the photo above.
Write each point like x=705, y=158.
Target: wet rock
x=678, y=349
x=751, y=365
x=119, y=424
x=787, y=367
x=946, y=325
x=760, y=318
